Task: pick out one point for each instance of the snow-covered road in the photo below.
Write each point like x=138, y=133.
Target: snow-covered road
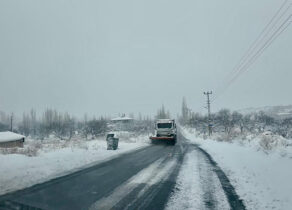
x=261, y=178
x=198, y=186
x=155, y=177
x=54, y=159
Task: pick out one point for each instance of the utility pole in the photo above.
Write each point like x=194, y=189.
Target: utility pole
x=209, y=111
x=11, y=122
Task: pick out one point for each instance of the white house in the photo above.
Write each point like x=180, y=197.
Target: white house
x=123, y=119
x=122, y=123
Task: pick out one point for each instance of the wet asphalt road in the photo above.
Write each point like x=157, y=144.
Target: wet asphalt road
x=126, y=182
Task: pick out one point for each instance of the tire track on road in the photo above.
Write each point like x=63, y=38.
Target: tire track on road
x=234, y=200
x=202, y=184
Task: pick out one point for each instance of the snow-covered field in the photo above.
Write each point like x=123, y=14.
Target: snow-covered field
x=261, y=177
x=40, y=161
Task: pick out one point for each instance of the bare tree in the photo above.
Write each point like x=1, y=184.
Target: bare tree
x=96, y=127
x=162, y=113
x=33, y=122
x=185, y=112
x=224, y=117
x=25, y=126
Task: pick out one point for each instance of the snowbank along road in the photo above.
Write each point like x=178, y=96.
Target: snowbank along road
x=160, y=176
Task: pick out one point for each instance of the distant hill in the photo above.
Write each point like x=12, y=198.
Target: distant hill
x=280, y=112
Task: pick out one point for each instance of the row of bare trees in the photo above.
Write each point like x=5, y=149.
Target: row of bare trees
x=227, y=121
x=4, y=121
x=64, y=126
x=162, y=113
x=52, y=122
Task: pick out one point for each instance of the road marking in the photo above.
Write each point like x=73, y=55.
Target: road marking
x=149, y=176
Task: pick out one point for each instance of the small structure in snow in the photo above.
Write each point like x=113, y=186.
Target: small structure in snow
x=10, y=139
x=122, y=123
x=123, y=119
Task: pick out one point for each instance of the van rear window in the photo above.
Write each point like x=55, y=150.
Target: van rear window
x=164, y=125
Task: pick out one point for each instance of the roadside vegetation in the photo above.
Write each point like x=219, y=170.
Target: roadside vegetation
x=230, y=125
x=54, y=130
x=63, y=126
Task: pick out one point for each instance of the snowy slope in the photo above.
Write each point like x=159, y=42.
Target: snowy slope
x=273, y=111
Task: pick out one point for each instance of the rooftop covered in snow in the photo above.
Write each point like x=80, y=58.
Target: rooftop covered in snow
x=122, y=119
x=10, y=136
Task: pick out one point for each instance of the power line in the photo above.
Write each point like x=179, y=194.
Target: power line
x=262, y=49
x=258, y=53
x=253, y=57
x=260, y=38
x=257, y=43
x=264, y=32
x=249, y=53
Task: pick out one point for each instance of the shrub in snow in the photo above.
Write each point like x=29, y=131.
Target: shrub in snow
x=269, y=141
x=34, y=147
x=266, y=141
x=28, y=151
x=222, y=137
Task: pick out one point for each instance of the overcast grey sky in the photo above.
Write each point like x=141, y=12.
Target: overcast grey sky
x=113, y=56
